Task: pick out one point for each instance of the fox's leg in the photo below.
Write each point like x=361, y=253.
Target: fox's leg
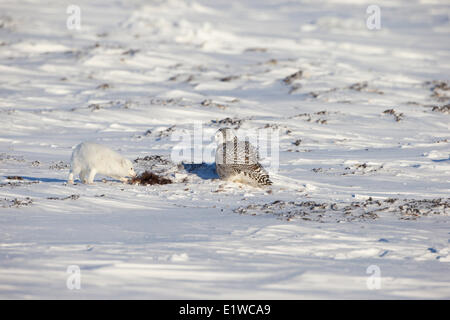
x=70, y=179
x=83, y=176
x=91, y=176
x=74, y=171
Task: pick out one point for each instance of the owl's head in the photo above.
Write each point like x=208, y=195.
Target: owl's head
x=224, y=135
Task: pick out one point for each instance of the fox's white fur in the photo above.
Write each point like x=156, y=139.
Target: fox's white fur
x=89, y=159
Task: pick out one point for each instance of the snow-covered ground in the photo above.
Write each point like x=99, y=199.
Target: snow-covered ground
x=363, y=182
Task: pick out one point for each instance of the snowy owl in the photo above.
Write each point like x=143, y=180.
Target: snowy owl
x=237, y=161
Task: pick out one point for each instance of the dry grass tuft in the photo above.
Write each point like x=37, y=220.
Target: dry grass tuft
x=149, y=178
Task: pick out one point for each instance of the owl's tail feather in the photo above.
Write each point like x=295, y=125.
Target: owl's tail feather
x=260, y=175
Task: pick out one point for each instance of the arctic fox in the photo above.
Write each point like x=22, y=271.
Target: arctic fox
x=89, y=158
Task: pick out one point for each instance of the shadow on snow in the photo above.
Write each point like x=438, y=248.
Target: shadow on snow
x=203, y=170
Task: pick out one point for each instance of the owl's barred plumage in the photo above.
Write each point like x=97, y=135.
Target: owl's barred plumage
x=238, y=160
